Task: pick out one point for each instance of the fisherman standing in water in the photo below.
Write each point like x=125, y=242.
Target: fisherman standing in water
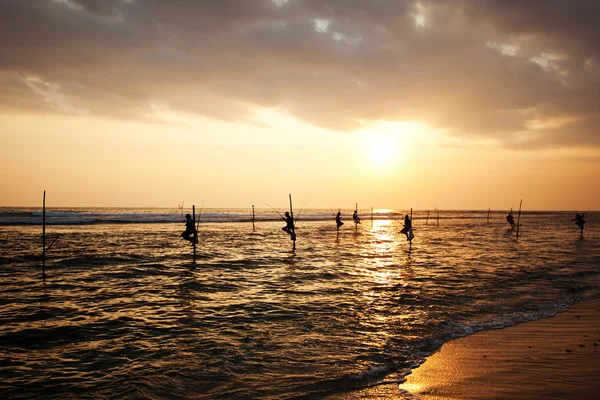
x=338, y=219
x=355, y=217
x=407, y=230
x=510, y=220
x=190, y=229
x=289, y=227
x=579, y=221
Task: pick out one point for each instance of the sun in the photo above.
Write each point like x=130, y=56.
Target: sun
x=386, y=146
x=382, y=152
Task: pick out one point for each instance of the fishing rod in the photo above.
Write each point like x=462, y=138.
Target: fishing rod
x=587, y=212
x=275, y=210
x=330, y=209
x=298, y=215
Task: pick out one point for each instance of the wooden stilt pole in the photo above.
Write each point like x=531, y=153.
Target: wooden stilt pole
x=195, y=232
x=44, y=248
x=356, y=223
x=293, y=227
x=410, y=241
x=488, y=216
x=438, y=217
x=371, y=216
x=44, y=236
x=519, y=218
x=427, y=218
x=253, y=227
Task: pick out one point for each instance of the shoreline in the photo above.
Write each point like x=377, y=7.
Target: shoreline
x=556, y=357
x=551, y=358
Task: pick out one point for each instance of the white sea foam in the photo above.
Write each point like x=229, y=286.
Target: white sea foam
x=374, y=371
x=253, y=319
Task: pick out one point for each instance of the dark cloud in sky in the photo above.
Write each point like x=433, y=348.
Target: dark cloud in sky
x=556, y=24
x=526, y=73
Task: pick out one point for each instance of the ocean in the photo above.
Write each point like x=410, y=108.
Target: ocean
x=123, y=313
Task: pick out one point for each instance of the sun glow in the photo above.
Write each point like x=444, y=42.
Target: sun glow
x=386, y=145
x=382, y=152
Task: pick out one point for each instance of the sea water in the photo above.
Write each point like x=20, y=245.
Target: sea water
x=123, y=312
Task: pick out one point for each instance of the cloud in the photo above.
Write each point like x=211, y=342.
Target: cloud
x=522, y=73
x=52, y=94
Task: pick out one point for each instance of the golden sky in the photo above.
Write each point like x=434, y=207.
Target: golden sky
x=390, y=103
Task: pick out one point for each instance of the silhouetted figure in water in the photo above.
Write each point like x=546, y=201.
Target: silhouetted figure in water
x=190, y=229
x=289, y=221
x=338, y=219
x=510, y=220
x=407, y=230
x=579, y=221
x=355, y=217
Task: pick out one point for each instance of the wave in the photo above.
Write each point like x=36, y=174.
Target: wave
x=144, y=216
x=90, y=216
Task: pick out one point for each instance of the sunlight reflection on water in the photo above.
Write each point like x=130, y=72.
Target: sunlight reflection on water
x=124, y=313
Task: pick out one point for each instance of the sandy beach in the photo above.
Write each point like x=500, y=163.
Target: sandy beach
x=552, y=358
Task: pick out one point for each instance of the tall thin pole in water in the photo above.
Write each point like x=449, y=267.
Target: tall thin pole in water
x=427, y=217
x=519, y=218
x=195, y=232
x=44, y=248
x=356, y=223
x=438, y=217
x=253, y=227
x=293, y=227
x=410, y=241
x=488, y=217
x=44, y=236
x=371, y=215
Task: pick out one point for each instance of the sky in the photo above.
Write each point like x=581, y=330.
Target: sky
x=388, y=103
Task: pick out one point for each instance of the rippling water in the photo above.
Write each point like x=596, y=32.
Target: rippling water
x=123, y=313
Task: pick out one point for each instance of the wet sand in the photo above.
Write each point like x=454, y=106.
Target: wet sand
x=552, y=358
